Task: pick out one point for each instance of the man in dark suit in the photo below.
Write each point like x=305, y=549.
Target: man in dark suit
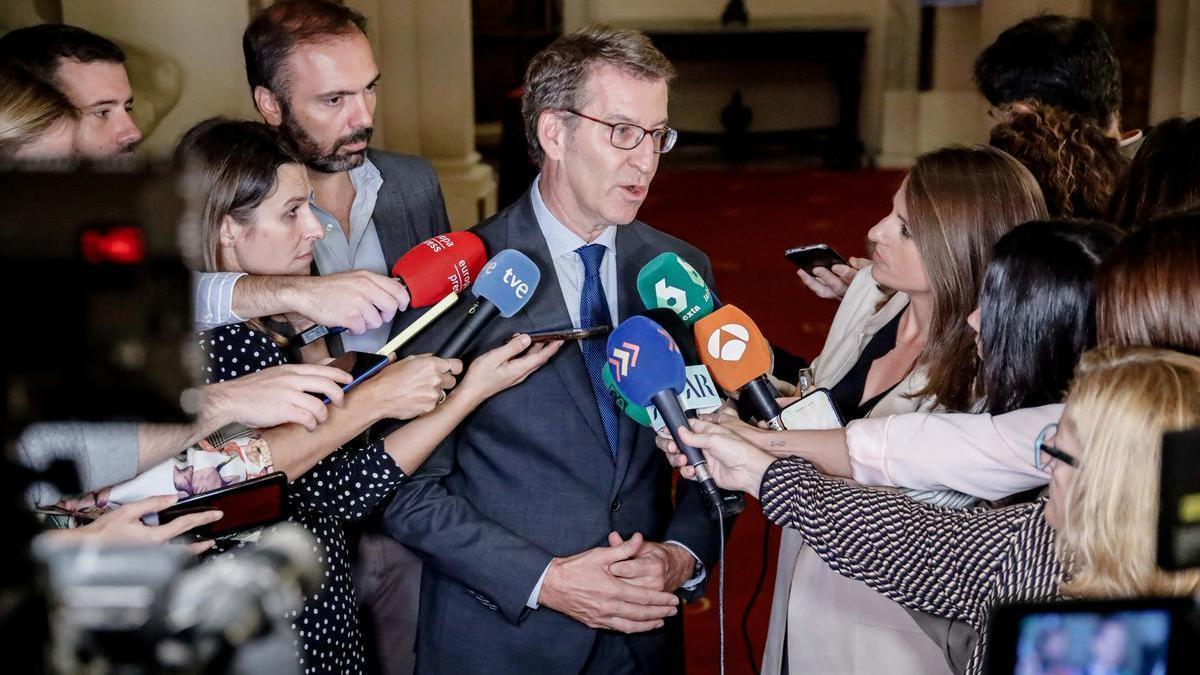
x=552, y=541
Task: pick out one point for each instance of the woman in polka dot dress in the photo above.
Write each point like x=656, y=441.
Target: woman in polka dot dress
x=255, y=219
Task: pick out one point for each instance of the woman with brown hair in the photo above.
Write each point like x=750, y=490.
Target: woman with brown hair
x=900, y=343
x=36, y=122
x=1164, y=176
x=1148, y=288
x=1077, y=163
x=1092, y=537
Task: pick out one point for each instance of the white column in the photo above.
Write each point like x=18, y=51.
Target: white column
x=427, y=103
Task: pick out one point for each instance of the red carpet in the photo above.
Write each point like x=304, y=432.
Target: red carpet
x=744, y=219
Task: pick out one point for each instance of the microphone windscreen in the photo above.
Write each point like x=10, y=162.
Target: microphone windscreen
x=732, y=347
x=679, y=331
x=669, y=281
x=635, y=412
x=644, y=359
x=439, y=266
x=508, y=281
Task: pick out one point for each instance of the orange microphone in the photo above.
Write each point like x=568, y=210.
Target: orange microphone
x=739, y=359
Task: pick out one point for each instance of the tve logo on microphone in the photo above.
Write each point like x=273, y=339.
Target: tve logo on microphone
x=728, y=343
x=514, y=282
x=508, y=280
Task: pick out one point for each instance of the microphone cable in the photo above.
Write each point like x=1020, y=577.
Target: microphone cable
x=721, y=583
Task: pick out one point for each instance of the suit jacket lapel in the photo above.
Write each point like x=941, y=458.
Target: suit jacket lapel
x=630, y=258
x=548, y=310
x=392, y=221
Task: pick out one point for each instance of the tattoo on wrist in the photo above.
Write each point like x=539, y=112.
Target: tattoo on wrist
x=778, y=444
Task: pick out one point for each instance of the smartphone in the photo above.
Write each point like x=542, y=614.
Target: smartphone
x=816, y=410
x=809, y=258
x=360, y=365
x=251, y=503
x=569, y=334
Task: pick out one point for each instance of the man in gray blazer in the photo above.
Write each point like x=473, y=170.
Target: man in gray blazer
x=552, y=541
x=313, y=76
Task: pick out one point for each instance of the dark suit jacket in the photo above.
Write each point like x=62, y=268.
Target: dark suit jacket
x=528, y=477
x=409, y=210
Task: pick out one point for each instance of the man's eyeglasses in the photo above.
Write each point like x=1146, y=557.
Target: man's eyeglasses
x=1043, y=451
x=626, y=136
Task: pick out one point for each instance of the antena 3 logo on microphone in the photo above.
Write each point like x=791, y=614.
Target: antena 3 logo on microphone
x=734, y=349
x=669, y=281
x=508, y=281
x=728, y=343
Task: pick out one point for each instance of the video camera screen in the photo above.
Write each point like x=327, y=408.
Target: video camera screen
x=1118, y=637
x=98, y=319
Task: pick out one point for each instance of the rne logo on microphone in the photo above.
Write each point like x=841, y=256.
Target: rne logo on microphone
x=728, y=343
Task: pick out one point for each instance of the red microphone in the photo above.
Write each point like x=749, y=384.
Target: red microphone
x=440, y=265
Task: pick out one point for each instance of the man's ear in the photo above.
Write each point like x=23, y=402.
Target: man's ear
x=552, y=134
x=268, y=106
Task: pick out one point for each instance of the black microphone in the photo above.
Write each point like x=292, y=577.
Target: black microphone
x=507, y=282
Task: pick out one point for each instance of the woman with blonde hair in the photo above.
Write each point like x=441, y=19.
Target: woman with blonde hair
x=1092, y=536
x=898, y=344
x=36, y=122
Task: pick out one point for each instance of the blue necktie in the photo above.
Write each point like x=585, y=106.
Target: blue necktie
x=593, y=311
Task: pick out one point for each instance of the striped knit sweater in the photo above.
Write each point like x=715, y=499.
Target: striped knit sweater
x=951, y=563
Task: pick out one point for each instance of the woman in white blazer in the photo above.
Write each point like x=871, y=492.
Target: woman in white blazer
x=899, y=343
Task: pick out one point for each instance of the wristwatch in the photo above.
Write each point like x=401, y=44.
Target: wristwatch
x=307, y=337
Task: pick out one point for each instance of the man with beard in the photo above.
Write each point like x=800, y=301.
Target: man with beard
x=89, y=71
x=313, y=77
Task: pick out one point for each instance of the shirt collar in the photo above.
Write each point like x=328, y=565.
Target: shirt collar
x=366, y=176
x=561, y=240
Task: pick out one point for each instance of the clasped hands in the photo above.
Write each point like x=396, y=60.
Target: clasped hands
x=627, y=586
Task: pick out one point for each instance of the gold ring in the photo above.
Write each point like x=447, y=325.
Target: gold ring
x=443, y=398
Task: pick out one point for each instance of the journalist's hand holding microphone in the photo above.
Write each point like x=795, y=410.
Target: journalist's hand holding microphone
x=735, y=463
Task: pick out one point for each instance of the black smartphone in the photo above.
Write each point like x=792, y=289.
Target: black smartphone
x=809, y=258
x=569, y=334
x=251, y=503
x=360, y=365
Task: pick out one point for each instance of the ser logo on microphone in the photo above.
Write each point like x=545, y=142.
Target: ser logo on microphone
x=728, y=343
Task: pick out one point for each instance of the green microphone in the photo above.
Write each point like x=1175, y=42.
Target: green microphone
x=635, y=412
x=671, y=282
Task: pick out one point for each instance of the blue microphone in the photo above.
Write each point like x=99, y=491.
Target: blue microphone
x=505, y=285
x=648, y=368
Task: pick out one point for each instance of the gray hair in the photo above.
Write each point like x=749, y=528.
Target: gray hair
x=557, y=75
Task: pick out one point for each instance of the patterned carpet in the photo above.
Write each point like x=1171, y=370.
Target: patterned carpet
x=744, y=218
